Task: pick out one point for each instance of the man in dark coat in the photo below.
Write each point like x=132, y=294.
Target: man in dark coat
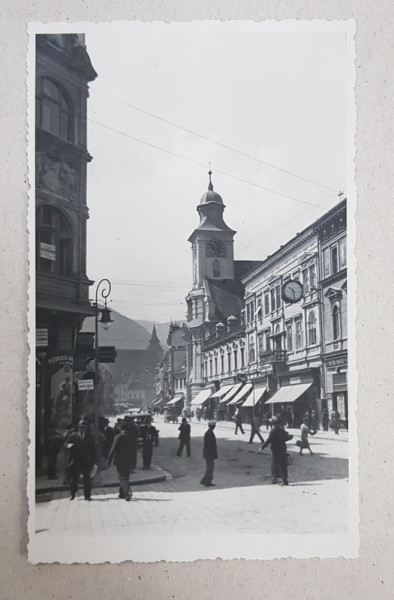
x=81, y=456
x=184, y=437
x=210, y=453
x=122, y=455
x=149, y=433
x=277, y=440
x=133, y=430
x=255, y=430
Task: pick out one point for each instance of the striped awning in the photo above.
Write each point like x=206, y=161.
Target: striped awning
x=255, y=396
x=177, y=398
x=223, y=390
x=241, y=394
x=234, y=389
x=201, y=398
x=289, y=393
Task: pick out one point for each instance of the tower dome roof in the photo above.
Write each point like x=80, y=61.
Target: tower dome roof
x=210, y=195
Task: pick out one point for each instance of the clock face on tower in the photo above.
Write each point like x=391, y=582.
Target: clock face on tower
x=216, y=247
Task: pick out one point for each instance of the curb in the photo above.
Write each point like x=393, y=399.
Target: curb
x=66, y=488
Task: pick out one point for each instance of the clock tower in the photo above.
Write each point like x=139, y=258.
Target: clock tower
x=212, y=241
x=213, y=265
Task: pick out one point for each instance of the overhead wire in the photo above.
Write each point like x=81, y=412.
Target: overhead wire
x=204, y=137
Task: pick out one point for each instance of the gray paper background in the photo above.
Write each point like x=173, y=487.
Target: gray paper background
x=369, y=576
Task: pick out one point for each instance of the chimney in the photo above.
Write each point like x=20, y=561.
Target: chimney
x=220, y=329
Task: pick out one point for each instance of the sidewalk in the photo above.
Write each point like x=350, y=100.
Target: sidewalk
x=109, y=478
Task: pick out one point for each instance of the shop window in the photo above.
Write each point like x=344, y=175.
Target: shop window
x=54, y=112
x=335, y=322
x=216, y=268
x=311, y=329
x=54, y=242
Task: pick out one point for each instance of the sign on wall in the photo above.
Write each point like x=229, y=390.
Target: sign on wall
x=47, y=251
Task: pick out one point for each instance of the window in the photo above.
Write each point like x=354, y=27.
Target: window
x=267, y=341
x=266, y=303
x=235, y=360
x=222, y=363
x=296, y=276
x=289, y=336
x=229, y=360
x=210, y=367
x=312, y=276
x=216, y=365
x=252, y=354
x=54, y=109
x=259, y=309
x=335, y=322
x=298, y=334
x=311, y=328
x=252, y=311
x=54, y=242
x=272, y=300
x=334, y=259
x=326, y=262
x=216, y=268
x=242, y=357
x=342, y=253
x=305, y=281
x=278, y=296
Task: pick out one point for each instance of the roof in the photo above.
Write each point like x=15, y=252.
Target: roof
x=210, y=195
x=226, y=295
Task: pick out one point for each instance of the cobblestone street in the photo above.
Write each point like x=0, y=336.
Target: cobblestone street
x=243, y=501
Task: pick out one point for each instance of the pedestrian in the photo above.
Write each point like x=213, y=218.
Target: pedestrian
x=210, y=453
x=149, y=433
x=133, y=430
x=266, y=419
x=81, y=458
x=184, y=437
x=289, y=418
x=53, y=443
x=198, y=414
x=324, y=419
x=109, y=438
x=314, y=421
x=121, y=454
x=335, y=421
x=277, y=440
x=255, y=425
x=117, y=426
x=238, y=422
x=307, y=416
x=303, y=443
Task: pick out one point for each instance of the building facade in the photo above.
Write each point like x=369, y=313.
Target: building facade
x=63, y=72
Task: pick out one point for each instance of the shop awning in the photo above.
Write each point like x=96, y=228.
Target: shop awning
x=234, y=389
x=223, y=390
x=289, y=393
x=201, y=398
x=241, y=394
x=177, y=398
x=254, y=397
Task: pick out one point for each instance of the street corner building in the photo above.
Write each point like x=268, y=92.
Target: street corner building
x=63, y=72
x=270, y=336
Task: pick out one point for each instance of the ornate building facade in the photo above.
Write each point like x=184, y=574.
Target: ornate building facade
x=63, y=72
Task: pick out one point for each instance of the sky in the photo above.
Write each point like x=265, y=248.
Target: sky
x=265, y=107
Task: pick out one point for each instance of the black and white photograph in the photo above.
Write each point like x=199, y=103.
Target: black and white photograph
x=193, y=384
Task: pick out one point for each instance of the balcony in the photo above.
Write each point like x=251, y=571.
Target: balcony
x=271, y=357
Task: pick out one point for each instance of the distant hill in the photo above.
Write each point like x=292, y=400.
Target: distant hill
x=126, y=334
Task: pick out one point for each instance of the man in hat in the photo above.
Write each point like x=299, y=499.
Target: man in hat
x=210, y=453
x=81, y=457
x=122, y=453
x=277, y=440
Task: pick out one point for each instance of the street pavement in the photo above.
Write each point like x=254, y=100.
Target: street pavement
x=243, y=501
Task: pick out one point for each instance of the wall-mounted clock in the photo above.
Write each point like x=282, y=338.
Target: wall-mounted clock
x=292, y=291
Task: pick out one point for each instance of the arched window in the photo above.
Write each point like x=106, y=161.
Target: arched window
x=54, y=242
x=335, y=322
x=216, y=268
x=311, y=328
x=54, y=112
x=252, y=354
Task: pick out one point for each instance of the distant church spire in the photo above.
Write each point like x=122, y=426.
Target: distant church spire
x=154, y=339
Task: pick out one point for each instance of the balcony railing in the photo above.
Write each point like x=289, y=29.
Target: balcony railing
x=273, y=356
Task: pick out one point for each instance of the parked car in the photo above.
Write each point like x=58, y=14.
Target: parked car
x=171, y=415
x=139, y=419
